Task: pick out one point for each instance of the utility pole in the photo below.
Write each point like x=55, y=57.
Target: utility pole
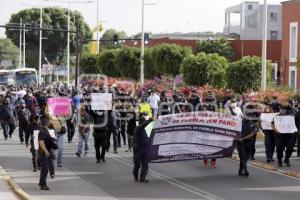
x=40, y=46
x=77, y=56
x=68, y=47
x=98, y=42
x=24, y=43
x=142, y=46
x=264, y=48
x=20, y=45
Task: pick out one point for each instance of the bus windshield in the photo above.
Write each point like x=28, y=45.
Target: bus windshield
x=4, y=78
x=26, y=78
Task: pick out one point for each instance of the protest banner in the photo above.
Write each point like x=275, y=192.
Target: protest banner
x=285, y=124
x=194, y=136
x=59, y=106
x=266, y=120
x=101, y=101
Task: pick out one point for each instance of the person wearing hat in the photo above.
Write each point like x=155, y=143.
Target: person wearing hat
x=141, y=145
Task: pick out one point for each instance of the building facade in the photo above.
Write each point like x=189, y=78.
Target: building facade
x=290, y=44
x=245, y=21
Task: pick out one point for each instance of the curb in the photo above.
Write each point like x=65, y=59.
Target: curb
x=14, y=186
x=295, y=174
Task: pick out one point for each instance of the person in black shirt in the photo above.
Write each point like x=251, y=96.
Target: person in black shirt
x=45, y=145
x=29, y=134
x=249, y=130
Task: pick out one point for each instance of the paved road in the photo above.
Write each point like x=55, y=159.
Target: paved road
x=82, y=178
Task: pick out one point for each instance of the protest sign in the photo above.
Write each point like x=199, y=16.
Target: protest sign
x=194, y=136
x=101, y=101
x=285, y=124
x=36, y=139
x=266, y=120
x=59, y=106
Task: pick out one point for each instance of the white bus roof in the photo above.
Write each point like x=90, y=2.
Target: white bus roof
x=25, y=69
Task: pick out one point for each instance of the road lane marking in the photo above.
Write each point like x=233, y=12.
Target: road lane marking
x=203, y=194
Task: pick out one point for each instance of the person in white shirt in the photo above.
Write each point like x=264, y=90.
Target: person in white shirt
x=153, y=100
x=233, y=109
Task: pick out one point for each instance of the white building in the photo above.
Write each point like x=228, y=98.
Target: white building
x=244, y=21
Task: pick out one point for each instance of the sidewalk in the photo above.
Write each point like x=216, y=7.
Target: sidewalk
x=5, y=192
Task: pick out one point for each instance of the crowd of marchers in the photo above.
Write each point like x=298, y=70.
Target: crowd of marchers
x=27, y=109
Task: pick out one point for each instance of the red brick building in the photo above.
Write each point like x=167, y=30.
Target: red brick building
x=290, y=44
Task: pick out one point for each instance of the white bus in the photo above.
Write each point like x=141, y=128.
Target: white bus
x=25, y=76
x=6, y=77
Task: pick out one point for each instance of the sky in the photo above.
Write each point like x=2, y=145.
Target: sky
x=166, y=16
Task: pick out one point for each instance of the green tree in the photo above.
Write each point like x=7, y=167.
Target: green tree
x=107, y=62
x=245, y=74
x=8, y=51
x=167, y=58
x=128, y=61
x=55, y=44
x=220, y=46
x=88, y=64
x=205, y=69
x=109, y=35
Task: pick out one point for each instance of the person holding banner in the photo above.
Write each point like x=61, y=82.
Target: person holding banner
x=249, y=130
x=141, y=148
x=284, y=126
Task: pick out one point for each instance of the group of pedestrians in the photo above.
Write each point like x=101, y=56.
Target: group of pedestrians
x=126, y=125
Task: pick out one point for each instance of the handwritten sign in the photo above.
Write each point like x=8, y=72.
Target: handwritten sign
x=266, y=120
x=101, y=101
x=59, y=106
x=285, y=124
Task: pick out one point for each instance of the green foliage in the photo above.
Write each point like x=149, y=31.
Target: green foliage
x=168, y=57
x=88, y=64
x=220, y=46
x=8, y=51
x=245, y=74
x=109, y=35
x=128, y=62
x=205, y=68
x=56, y=43
x=106, y=62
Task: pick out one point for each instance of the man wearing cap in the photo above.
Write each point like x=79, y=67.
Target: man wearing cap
x=23, y=115
x=141, y=145
x=7, y=117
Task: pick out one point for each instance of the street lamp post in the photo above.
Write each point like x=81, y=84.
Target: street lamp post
x=264, y=48
x=24, y=43
x=40, y=46
x=68, y=34
x=143, y=43
x=20, y=45
x=98, y=42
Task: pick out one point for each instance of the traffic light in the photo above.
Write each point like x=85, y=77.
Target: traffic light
x=115, y=39
x=146, y=38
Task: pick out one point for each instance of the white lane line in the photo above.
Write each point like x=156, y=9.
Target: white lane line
x=203, y=194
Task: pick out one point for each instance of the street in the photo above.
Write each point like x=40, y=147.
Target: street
x=82, y=178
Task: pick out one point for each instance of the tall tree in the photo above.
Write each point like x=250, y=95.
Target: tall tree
x=55, y=44
x=8, y=51
x=220, y=46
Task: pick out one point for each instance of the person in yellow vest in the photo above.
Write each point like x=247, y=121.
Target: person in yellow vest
x=144, y=107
